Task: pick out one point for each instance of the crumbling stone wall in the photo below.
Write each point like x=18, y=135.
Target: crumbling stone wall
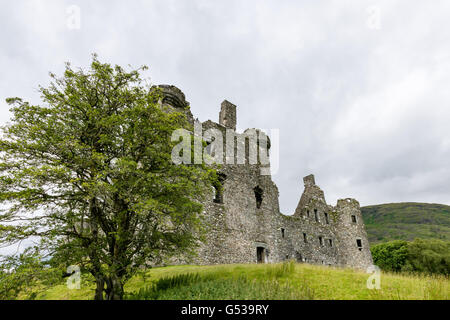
x=245, y=224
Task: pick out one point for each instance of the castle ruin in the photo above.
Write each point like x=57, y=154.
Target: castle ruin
x=245, y=224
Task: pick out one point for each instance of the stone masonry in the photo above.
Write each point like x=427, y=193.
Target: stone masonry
x=245, y=224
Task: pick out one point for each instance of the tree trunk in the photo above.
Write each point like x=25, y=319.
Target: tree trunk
x=100, y=287
x=114, y=288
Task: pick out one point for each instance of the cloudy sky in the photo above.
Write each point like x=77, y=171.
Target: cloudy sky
x=359, y=90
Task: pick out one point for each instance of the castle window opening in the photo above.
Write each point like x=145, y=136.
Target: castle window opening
x=316, y=216
x=217, y=195
x=258, y=196
x=321, y=241
x=209, y=150
x=326, y=218
x=359, y=244
x=282, y=232
x=298, y=256
x=305, y=240
x=330, y=242
x=353, y=218
x=307, y=213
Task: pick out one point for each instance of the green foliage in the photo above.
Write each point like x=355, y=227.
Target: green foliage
x=390, y=256
x=89, y=173
x=420, y=255
x=406, y=221
x=25, y=274
x=280, y=270
x=428, y=256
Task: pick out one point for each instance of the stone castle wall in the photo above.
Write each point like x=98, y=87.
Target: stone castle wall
x=244, y=221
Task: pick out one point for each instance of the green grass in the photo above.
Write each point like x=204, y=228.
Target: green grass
x=277, y=281
x=406, y=221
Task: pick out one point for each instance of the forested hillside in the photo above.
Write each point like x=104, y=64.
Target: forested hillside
x=406, y=221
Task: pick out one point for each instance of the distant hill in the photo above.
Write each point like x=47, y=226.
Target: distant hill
x=406, y=221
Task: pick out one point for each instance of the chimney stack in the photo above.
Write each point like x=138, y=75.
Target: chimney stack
x=309, y=181
x=227, y=115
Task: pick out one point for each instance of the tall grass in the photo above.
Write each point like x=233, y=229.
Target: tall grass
x=266, y=281
x=216, y=286
x=280, y=270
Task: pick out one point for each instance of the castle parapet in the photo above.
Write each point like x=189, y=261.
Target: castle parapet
x=174, y=98
x=348, y=202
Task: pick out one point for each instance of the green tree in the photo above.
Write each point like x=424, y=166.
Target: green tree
x=89, y=173
x=390, y=256
x=428, y=256
x=24, y=274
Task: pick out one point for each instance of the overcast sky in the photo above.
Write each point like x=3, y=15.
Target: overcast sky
x=359, y=90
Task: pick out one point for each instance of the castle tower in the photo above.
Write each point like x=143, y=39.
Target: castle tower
x=175, y=99
x=354, y=249
x=227, y=115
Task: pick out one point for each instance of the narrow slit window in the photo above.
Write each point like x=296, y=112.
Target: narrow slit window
x=359, y=244
x=316, y=215
x=353, y=218
x=321, y=241
x=218, y=198
x=330, y=242
x=326, y=218
x=305, y=239
x=258, y=196
x=282, y=232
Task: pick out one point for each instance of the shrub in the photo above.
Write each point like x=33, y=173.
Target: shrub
x=418, y=256
x=390, y=256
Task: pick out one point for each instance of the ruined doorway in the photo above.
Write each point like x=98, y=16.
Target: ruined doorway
x=260, y=255
x=298, y=257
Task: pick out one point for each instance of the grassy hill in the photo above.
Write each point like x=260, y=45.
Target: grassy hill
x=263, y=281
x=407, y=221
